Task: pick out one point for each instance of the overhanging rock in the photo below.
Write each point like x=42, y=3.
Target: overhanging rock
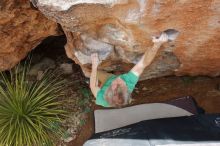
x=121, y=31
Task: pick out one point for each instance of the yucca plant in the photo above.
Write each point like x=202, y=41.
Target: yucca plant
x=28, y=110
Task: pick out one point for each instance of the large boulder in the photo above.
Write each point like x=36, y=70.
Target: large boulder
x=121, y=30
x=22, y=28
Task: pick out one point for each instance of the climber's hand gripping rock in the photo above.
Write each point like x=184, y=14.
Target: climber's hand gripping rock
x=160, y=40
x=149, y=55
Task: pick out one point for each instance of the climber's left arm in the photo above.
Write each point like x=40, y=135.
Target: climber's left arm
x=149, y=55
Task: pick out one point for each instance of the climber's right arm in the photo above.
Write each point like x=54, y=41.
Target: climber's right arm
x=93, y=78
x=149, y=55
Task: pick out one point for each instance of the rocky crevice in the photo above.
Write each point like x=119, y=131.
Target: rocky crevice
x=22, y=28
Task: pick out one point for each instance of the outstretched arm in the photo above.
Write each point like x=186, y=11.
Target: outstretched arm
x=149, y=55
x=93, y=78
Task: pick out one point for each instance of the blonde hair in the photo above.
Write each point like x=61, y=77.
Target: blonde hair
x=124, y=97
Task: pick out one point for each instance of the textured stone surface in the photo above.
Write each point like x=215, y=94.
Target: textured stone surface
x=121, y=30
x=21, y=29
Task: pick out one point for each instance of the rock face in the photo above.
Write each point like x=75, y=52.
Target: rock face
x=21, y=29
x=121, y=30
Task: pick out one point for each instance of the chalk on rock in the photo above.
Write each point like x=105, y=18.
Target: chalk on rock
x=93, y=46
x=172, y=34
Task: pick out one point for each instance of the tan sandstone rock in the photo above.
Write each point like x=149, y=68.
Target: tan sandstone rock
x=21, y=29
x=121, y=30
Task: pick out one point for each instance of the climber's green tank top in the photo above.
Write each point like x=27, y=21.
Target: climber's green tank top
x=129, y=78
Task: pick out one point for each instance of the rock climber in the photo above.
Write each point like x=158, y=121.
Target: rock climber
x=115, y=91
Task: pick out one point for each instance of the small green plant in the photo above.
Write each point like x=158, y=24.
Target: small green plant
x=85, y=92
x=27, y=110
x=82, y=122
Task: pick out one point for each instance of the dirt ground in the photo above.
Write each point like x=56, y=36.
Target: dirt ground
x=205, y=90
